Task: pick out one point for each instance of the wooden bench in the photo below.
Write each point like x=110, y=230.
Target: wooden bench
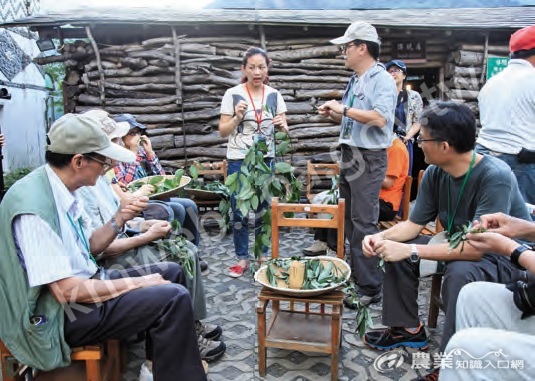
x=102, y=363
x=213, y=170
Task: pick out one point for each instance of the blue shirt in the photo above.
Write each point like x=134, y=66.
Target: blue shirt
x=374, y=90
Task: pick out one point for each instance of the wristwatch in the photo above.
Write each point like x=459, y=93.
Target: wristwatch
x=345, y=111
x=515, y=255
x=414, y=254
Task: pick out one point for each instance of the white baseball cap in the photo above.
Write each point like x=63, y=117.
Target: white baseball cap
x=359, y=30
x=110, y=127
x=80, y=134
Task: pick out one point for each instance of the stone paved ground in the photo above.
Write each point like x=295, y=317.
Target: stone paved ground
x=232, y=302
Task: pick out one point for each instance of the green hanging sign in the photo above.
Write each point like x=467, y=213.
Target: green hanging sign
x=495, y=65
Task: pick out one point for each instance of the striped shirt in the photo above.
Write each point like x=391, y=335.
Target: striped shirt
x=46, y=256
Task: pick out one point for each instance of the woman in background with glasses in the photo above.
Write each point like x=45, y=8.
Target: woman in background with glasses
x=409, y=107
x=147, y=164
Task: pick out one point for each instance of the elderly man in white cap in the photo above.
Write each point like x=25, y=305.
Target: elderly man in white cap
x=59, y=298
x=366, y=114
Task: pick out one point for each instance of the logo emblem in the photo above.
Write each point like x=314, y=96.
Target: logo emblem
x=390, y=360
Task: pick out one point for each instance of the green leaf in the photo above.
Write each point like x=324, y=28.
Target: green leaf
x=231, y=179
x=155, y=180
x=280, y=135
x=244, y=208
x=194, y=172
x=254, y=202
x=283, y=167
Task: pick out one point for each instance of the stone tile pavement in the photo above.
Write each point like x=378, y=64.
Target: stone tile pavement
x=232, y=302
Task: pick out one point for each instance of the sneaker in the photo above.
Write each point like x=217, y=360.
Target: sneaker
x=210, y=349
x=364, y=299
x=395, y=337
x=203, y=265
x=317, y=248
x=431, y=376
x=145, y=373
x=208, y=331
x=237, y=271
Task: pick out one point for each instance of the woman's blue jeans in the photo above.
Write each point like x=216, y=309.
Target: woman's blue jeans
x=240, y=224
x=187, y=213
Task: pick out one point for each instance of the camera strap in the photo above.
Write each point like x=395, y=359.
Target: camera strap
x=450, y=221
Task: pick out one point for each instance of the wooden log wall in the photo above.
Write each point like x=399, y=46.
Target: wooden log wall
x=465, y=72
x=181, y=107
x=140, y=79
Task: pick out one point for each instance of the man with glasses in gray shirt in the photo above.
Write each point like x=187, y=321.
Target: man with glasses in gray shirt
x=366, y=114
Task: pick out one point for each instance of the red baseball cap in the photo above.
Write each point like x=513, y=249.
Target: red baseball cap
x=522, y=39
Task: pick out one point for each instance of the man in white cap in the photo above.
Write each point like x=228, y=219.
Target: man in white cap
x=366, y=114
x=58, y=297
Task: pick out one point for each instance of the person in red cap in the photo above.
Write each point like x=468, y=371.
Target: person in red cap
x=507, y=111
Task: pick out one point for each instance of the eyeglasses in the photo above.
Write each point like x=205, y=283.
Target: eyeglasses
x=344, y=47
x=395, y=70
x=134, y=132
x=420, y=140
x=106, y=165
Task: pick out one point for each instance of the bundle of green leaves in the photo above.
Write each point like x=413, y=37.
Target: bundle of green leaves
x=160, y=183
x=257, y=183
x=317, y=275
x=459, y=237
x=363, y=317
x=176, y=246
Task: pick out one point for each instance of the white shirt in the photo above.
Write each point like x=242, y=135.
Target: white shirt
x=47, y=256
x=241, y=138
x=507, y=109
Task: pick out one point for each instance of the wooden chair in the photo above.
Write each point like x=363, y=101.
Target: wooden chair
x=298, y=327
x=213, y=170
x=319, y=174
x=102, y=362
x=435, y=301
x=405, y=205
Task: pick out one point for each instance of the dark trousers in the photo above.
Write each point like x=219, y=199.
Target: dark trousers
x=361, y=175
x=164, y=312
x=329, y=236
x=400, y=289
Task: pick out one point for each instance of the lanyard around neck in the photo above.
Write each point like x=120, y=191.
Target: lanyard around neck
x=450, y=221
x=81, y=236
x=257, y=115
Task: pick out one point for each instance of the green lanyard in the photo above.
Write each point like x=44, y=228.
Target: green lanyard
x=450, y=221
x=81, y=236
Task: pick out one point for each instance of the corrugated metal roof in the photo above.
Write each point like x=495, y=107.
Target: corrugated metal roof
x=53, y=12
x=364, y=4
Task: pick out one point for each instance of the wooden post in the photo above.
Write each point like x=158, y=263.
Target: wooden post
x=262, y=37
x=99, y=65
x=485, y=56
